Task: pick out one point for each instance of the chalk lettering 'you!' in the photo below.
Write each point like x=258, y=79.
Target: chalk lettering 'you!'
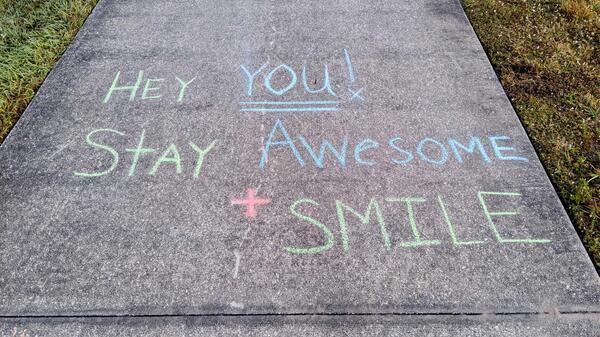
x=283, y=70
x=281, y=79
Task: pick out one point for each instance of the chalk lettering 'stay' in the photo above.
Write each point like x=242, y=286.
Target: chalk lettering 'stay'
x=167, y=159
x=347, y=214
x=432, y=151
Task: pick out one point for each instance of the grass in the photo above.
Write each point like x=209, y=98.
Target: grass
x=546, y=53
x=33, y=36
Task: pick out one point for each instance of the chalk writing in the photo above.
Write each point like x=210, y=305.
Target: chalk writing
x=284, y=70
x=349, y=65
x=413, y=223
x=114, y=154
x=251, y=202
x=170, y=157
x=489, y=215
x=451, y=228
x=363, y=218
x=290, y=106
x=151, y=88
x=267, y=89
x=282, y=79
x=486, y=149
x=343, y=211
x=330, y=238
x=355, y=93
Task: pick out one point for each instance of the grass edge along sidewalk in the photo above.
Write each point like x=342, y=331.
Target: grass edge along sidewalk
x=545, y=52
x=547, y=56
x=33, y=36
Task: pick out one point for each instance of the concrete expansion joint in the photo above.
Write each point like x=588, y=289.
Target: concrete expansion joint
x=546, y=314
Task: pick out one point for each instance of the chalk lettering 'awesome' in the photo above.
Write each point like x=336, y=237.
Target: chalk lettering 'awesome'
x=342, y=151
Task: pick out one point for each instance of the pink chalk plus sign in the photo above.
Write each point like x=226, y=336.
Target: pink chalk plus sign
x=251, y=202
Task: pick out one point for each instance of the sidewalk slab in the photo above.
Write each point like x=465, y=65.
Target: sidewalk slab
x=386, y=168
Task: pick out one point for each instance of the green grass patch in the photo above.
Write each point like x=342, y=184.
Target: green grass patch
x=547, y=56
x=33, y=36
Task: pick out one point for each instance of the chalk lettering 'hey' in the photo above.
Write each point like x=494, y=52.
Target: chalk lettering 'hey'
x=151, y=88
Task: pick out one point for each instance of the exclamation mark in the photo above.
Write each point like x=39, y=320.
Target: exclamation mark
x=349, y=64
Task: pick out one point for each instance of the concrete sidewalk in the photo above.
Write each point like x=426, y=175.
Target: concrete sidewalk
x=287, y=163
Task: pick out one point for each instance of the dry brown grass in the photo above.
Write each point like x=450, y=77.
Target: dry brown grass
x=547, y=56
